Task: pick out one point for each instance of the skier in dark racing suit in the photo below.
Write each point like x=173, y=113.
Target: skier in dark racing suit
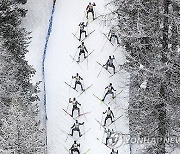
x=82, y=51
x=82, y=30
x=109, y=91
x=113, y=34
x=78, y=81
x=90, y=8
x=74, y=148
x=109, y=63
x=109, y=115
x=75, y=127
x=75, y=105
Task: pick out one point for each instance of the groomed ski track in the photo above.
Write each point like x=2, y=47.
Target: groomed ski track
x=60, y=68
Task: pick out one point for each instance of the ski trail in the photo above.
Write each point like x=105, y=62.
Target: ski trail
x=60, y=69
x=43, y=63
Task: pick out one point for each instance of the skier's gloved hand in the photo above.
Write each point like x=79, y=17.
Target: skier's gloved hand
x=83, y=123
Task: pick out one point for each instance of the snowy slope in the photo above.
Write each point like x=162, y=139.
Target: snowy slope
x=60, y=68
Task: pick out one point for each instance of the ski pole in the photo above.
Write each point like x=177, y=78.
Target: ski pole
x=104, y=45
x=101, y=121
x=100, y=72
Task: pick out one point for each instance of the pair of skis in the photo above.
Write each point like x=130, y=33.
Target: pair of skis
x=83, y=59
x=73, y=136
x=110, y=123
x=82, y=114
x=102, y=66
x=77, y=90
x=110, y=101
x=83, y=38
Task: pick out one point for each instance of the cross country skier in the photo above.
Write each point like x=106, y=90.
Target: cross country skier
x=78, y=81
x=82, y=30
x=75, y=127
x=113, y=152
x=109, y=63
x=110, y=115
x=113, y=34
x=74, y=148
x=109, y=91
x=109, y=136
x=90, y=8
x=82, y=51
x=75, y=105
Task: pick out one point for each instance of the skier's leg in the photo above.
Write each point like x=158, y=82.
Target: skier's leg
x=72, y=132
x=78, y=111
x=105, y=121
x=84, y=54
x=117, y=39
x=107, y=138
x=113, y=68
x=72, y=111
x=81, y=86
x=79, y=133
x=75, y=85
x=87, y=14
x=110, y=38
x=105, y=95
x=113, y=95
x=93, y=14
x=80, y=35
x=79, y=56
x=111, y=119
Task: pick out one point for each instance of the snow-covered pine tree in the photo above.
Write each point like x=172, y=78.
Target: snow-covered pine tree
x=20, y=128
x=149, y=30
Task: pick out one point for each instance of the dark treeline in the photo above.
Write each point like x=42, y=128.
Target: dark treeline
x=20, y=129
x=150, y=34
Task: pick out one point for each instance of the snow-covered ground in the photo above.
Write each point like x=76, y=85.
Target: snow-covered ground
x=60, y=68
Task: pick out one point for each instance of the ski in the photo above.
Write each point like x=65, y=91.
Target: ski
x=108, y=39
x=87, y=56
x=94, y=19
x=104, y=143
x=82, y=114
x=70, y=86
x=85, y=90
x=114, y=121
x=116, y=96
x=66, y=149
x=87, y=35
x=67, y=113
x=104, y=67
x=75, y=36
x=100, y=124
x=87, y=151
x=100, y=99
x=76, y=61
x=115, y=73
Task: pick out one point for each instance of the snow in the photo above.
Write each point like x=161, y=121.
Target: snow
x=60, y=68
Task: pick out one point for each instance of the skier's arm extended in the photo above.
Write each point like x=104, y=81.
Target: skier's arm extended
x=106, y=87
x=78, y=103
x=105, y=112
x=113, y=89
x=79, y=46
x=81, y=123
x=73, y=125
x=80, y=78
